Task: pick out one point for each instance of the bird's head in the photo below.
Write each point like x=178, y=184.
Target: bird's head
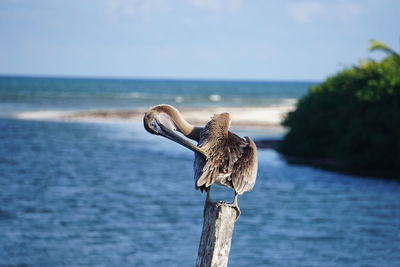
x=160, y=120
x=150, y=122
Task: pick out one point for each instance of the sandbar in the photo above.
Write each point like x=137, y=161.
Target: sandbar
x=242, y=117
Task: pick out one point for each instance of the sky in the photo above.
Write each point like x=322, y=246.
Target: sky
x=192, y=39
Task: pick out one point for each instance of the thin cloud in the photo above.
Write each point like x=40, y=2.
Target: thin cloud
x=346, y=11
x=217, y=6
x=134, y=8
x=304, y=12
x=140, y=8
x=309, y=11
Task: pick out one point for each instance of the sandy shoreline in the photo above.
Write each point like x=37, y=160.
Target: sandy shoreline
x=259, y=117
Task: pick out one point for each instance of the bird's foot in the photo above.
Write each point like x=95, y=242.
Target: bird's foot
x=236, y=207
x=232, y=205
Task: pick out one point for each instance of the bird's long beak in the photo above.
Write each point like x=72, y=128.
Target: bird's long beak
x=170, y=134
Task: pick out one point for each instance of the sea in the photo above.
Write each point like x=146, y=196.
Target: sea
x=110, y=194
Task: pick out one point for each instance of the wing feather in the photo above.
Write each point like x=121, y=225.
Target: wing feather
x=232, y=161
x=245, y=169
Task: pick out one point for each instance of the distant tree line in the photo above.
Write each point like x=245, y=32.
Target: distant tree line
x=351, y=119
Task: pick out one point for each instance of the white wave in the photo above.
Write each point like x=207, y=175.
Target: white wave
x=135, y=95
x=214, y=98
x=289, y=101
x=178, y=99
x=41, y=114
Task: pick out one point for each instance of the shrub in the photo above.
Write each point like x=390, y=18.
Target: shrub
x=352, y=118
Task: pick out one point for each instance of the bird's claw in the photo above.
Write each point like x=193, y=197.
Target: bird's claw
x=232, y=205
x=236, y=207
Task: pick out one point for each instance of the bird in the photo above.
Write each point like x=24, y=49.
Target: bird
x=221, y=157
x=164, y=120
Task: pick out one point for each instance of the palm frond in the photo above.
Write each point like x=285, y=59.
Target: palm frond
x=375, y=45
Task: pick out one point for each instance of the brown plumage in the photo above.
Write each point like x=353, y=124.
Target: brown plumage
x=221, y=156
x=231, y=161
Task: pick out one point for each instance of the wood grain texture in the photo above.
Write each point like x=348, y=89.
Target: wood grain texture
x=216, y=237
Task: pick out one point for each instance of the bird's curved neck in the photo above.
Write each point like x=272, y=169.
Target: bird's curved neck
x=181, y=124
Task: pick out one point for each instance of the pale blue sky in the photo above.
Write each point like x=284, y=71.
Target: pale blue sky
x=210, y=39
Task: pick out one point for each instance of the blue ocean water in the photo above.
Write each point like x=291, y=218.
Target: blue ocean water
x=21, y=94
x=110, y=194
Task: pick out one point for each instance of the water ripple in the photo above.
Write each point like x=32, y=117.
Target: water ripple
x=111, y=195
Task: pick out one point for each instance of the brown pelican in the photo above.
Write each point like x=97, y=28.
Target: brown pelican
x=221, y=156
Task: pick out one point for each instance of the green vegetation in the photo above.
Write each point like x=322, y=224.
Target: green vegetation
x=352, y=119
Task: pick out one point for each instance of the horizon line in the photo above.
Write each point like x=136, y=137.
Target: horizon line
x=94, y=77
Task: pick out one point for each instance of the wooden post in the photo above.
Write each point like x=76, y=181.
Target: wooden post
x=216, y=237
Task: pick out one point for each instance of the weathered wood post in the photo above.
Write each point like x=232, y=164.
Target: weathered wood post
x=216, y=237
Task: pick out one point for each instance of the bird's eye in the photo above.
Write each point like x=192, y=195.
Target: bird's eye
x=155, y=126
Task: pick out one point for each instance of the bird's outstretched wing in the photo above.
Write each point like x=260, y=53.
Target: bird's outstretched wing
x=244, y=171
x=224, y=153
